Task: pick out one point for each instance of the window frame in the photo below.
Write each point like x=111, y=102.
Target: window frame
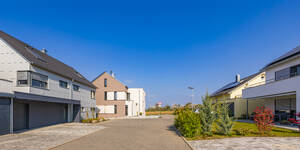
x=105, y=95
x=105, y=82
x=93, y=94
x=60, y=85
x=115, y=95
x=77, y=90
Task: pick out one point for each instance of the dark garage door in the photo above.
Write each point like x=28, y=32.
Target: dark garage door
x=42, y=114
x=4, y=115
x=38, y=114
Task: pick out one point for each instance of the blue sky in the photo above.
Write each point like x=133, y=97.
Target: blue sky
x=162, y=46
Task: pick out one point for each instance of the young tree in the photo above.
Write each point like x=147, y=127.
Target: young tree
x=207, y=115
x=264, y=118
x=225, y=123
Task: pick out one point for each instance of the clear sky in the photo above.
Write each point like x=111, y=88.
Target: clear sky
x=162, y=46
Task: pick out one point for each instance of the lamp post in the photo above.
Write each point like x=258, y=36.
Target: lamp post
x=191, y=88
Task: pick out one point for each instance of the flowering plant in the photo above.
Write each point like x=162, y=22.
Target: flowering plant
x=293, y=120
x=264, y=119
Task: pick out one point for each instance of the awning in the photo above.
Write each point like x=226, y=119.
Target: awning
x=274, y=95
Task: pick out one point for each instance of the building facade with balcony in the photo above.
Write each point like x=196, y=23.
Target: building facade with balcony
x=231, y=93
x=281, y=91
x=40, y=90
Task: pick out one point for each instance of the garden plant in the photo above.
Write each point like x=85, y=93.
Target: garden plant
x=264, y=119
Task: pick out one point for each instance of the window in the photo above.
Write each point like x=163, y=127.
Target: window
x=105, y=95
x=282, y=74
x=128, y=96
x=63, y=84
x=76, y=87
x=105, y=82
x=22, y=77
x=39, y=80
x=115, y=95
x=92, y=94
x=295, y=70
x=116, y=109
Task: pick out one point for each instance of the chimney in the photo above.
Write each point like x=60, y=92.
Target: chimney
x=44, y=51
x=112, y=74
x=237, y=78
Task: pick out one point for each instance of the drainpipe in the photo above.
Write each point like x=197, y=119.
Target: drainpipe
x=11, y=127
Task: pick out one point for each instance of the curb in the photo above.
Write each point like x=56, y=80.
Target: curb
x=182, y=137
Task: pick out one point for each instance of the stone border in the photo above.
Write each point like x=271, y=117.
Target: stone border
x=183, y=138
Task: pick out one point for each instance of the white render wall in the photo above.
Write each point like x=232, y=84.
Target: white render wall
x=138, y=96
x=10, y=63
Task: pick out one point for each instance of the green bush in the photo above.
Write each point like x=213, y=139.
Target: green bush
x=207, y=114
x=187, y=122
x=224, y=122
x=243, y=131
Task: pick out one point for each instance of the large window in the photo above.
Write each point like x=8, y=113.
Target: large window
x=282, y=74
x=76, y=87
x=105, y=82
x=295, y=70
x=93, y=95
x=22, y=78
x=63, y=84
x=39, y=80
x=26, y=78
x=105, y=95
x=115, y=95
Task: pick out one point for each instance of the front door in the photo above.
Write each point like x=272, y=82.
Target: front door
x=126, y=110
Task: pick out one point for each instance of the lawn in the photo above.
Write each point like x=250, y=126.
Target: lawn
x=159, y=113
x=250, y=131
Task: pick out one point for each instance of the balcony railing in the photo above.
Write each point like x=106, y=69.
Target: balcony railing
x=5, y=86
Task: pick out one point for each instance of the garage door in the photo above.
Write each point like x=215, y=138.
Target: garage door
x=20, y=116
x=4, y=115
x=43, y=114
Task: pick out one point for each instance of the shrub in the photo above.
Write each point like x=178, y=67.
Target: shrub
x=187, y=122
x=264, y=118
x=293, y=120
x=224, y=122
x=243, y=131
x=207, y=115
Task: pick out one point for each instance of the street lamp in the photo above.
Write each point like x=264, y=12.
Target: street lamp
x=191, y=88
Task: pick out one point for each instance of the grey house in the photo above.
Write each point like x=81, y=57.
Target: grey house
x=38, y=90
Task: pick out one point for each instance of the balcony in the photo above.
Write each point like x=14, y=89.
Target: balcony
x=273, y=88
x=6, y=87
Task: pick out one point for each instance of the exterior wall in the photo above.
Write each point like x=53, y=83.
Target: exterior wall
x=275, y=88
x=6, y=86
x=138, y=96
x=256, y=81
x=54, y=90
x=270, y=73
x=112, y=85
x=10, y=63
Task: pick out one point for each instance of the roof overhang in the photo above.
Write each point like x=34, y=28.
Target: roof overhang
x=273, y=95
x=33, y=97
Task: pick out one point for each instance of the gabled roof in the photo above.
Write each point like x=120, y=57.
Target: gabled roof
x=229, y=87
x=110, y=76
x=287, y=55
x=44, y=61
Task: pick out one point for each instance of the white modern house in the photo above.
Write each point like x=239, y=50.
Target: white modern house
x=137, y=102
x=38, y=90
x=281, y=91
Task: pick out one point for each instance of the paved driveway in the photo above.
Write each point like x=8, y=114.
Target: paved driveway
x=135, y=134
x=249, y=143
x=47, y=137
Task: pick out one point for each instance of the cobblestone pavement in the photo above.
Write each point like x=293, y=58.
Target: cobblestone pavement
x=131, y=134
x=47, y=137
x=248, y=143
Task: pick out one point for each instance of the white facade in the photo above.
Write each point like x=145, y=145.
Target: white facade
x=11, y=62
x=137, y=104
x=277, y=88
